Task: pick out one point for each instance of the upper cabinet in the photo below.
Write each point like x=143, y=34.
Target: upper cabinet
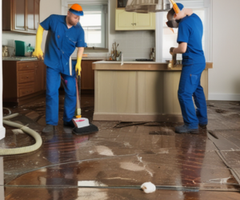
x=20, y=15
x=134, y=21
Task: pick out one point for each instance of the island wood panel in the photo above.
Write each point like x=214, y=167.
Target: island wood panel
x=139, y=95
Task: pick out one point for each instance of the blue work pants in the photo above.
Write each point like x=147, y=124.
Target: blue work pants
x=189, y=89
x=53, y=81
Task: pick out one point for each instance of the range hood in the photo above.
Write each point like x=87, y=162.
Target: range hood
x=145, y=6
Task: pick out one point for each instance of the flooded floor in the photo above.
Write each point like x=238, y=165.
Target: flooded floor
x=113, y=163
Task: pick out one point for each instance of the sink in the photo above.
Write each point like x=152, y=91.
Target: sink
x=19, y=58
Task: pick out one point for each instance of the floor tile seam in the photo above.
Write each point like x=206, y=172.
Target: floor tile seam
x=136, y=187
x=77, y=161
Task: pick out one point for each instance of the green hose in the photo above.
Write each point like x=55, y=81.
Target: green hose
x=21, y=150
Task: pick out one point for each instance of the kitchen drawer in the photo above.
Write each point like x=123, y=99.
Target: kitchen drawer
x=24, y=90
x=26, y=76
x=27, y=66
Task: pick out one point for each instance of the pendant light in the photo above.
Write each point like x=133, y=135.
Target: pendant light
x=145, y=6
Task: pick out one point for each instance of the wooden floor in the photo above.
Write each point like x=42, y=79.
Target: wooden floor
x=113, y=163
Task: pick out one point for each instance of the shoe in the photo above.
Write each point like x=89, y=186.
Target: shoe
x=203, y=126
x=69, y=124
x=48, y=128
x=185, y=129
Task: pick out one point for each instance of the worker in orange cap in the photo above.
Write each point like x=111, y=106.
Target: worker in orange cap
x=64, y=34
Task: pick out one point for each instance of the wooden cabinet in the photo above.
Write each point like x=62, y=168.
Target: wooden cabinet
x=87, y=75
x=23, y=80
x=134, y=21
x=20, y=15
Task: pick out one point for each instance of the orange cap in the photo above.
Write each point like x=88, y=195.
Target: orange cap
x=76, y=9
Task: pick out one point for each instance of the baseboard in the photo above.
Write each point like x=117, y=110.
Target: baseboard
x=2, y=132
x=224, y=97
x=124, y=117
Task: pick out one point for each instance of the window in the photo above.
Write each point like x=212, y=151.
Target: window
x=94, y=25
x=94, y=22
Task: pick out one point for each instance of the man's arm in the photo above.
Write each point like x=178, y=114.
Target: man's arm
x=79, y=60
x=182, y=48
x=38, y=51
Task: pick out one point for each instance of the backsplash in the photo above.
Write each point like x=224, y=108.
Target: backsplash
x=8, y=38
x=135, y=44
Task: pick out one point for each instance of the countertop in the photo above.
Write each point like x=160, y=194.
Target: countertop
x=18, y=58
x=90, y=58
x=138, y=65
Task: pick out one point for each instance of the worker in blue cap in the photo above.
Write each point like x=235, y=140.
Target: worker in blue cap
x=65, y=34
x=190, y=33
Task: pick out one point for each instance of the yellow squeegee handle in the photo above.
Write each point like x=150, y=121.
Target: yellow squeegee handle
x=175, y=7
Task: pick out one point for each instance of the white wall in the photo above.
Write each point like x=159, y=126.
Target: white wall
x=224, y=78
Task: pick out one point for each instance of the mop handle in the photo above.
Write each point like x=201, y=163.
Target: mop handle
x=78, y=88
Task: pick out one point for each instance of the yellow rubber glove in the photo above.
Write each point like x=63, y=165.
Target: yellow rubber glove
x=38, y=51
x=78, y=66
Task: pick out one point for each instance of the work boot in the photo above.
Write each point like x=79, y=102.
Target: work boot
x=185, y=129
x=69, y=124
x=48, y=129
x=203, y=126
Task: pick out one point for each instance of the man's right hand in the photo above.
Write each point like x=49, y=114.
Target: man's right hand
x=171, y=50
x=38, y=53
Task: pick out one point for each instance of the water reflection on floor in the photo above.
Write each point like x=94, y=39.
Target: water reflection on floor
x=114, y=162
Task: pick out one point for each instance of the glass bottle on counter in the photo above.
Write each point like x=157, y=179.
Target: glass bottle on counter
x=152, y=54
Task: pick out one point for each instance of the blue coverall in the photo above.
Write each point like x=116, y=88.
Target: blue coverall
x=60, y=44
x=191, y=31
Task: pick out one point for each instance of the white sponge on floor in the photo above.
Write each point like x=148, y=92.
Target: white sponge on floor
x=148, y=187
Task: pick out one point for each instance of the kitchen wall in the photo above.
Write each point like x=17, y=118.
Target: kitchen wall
x=224, y=78
x=133, y=44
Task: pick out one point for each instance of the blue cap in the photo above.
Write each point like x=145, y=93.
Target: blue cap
x=180, y=6
x=79, y=13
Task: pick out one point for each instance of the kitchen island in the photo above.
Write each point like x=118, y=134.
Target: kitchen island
x=138, y=91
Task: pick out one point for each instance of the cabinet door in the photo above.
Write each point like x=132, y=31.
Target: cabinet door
x=36, y=14
x=6, y=17
x=87, y=75
x=40, y=77
x=19, y=15
x=144, y=21
x=124, y=20
x=30, y=14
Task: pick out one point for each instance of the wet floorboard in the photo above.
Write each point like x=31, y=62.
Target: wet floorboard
x=114, y=162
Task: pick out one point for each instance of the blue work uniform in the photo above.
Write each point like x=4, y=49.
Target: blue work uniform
x=190, y=30
x=60, y=44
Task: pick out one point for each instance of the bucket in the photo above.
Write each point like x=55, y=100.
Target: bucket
x=19, y=48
